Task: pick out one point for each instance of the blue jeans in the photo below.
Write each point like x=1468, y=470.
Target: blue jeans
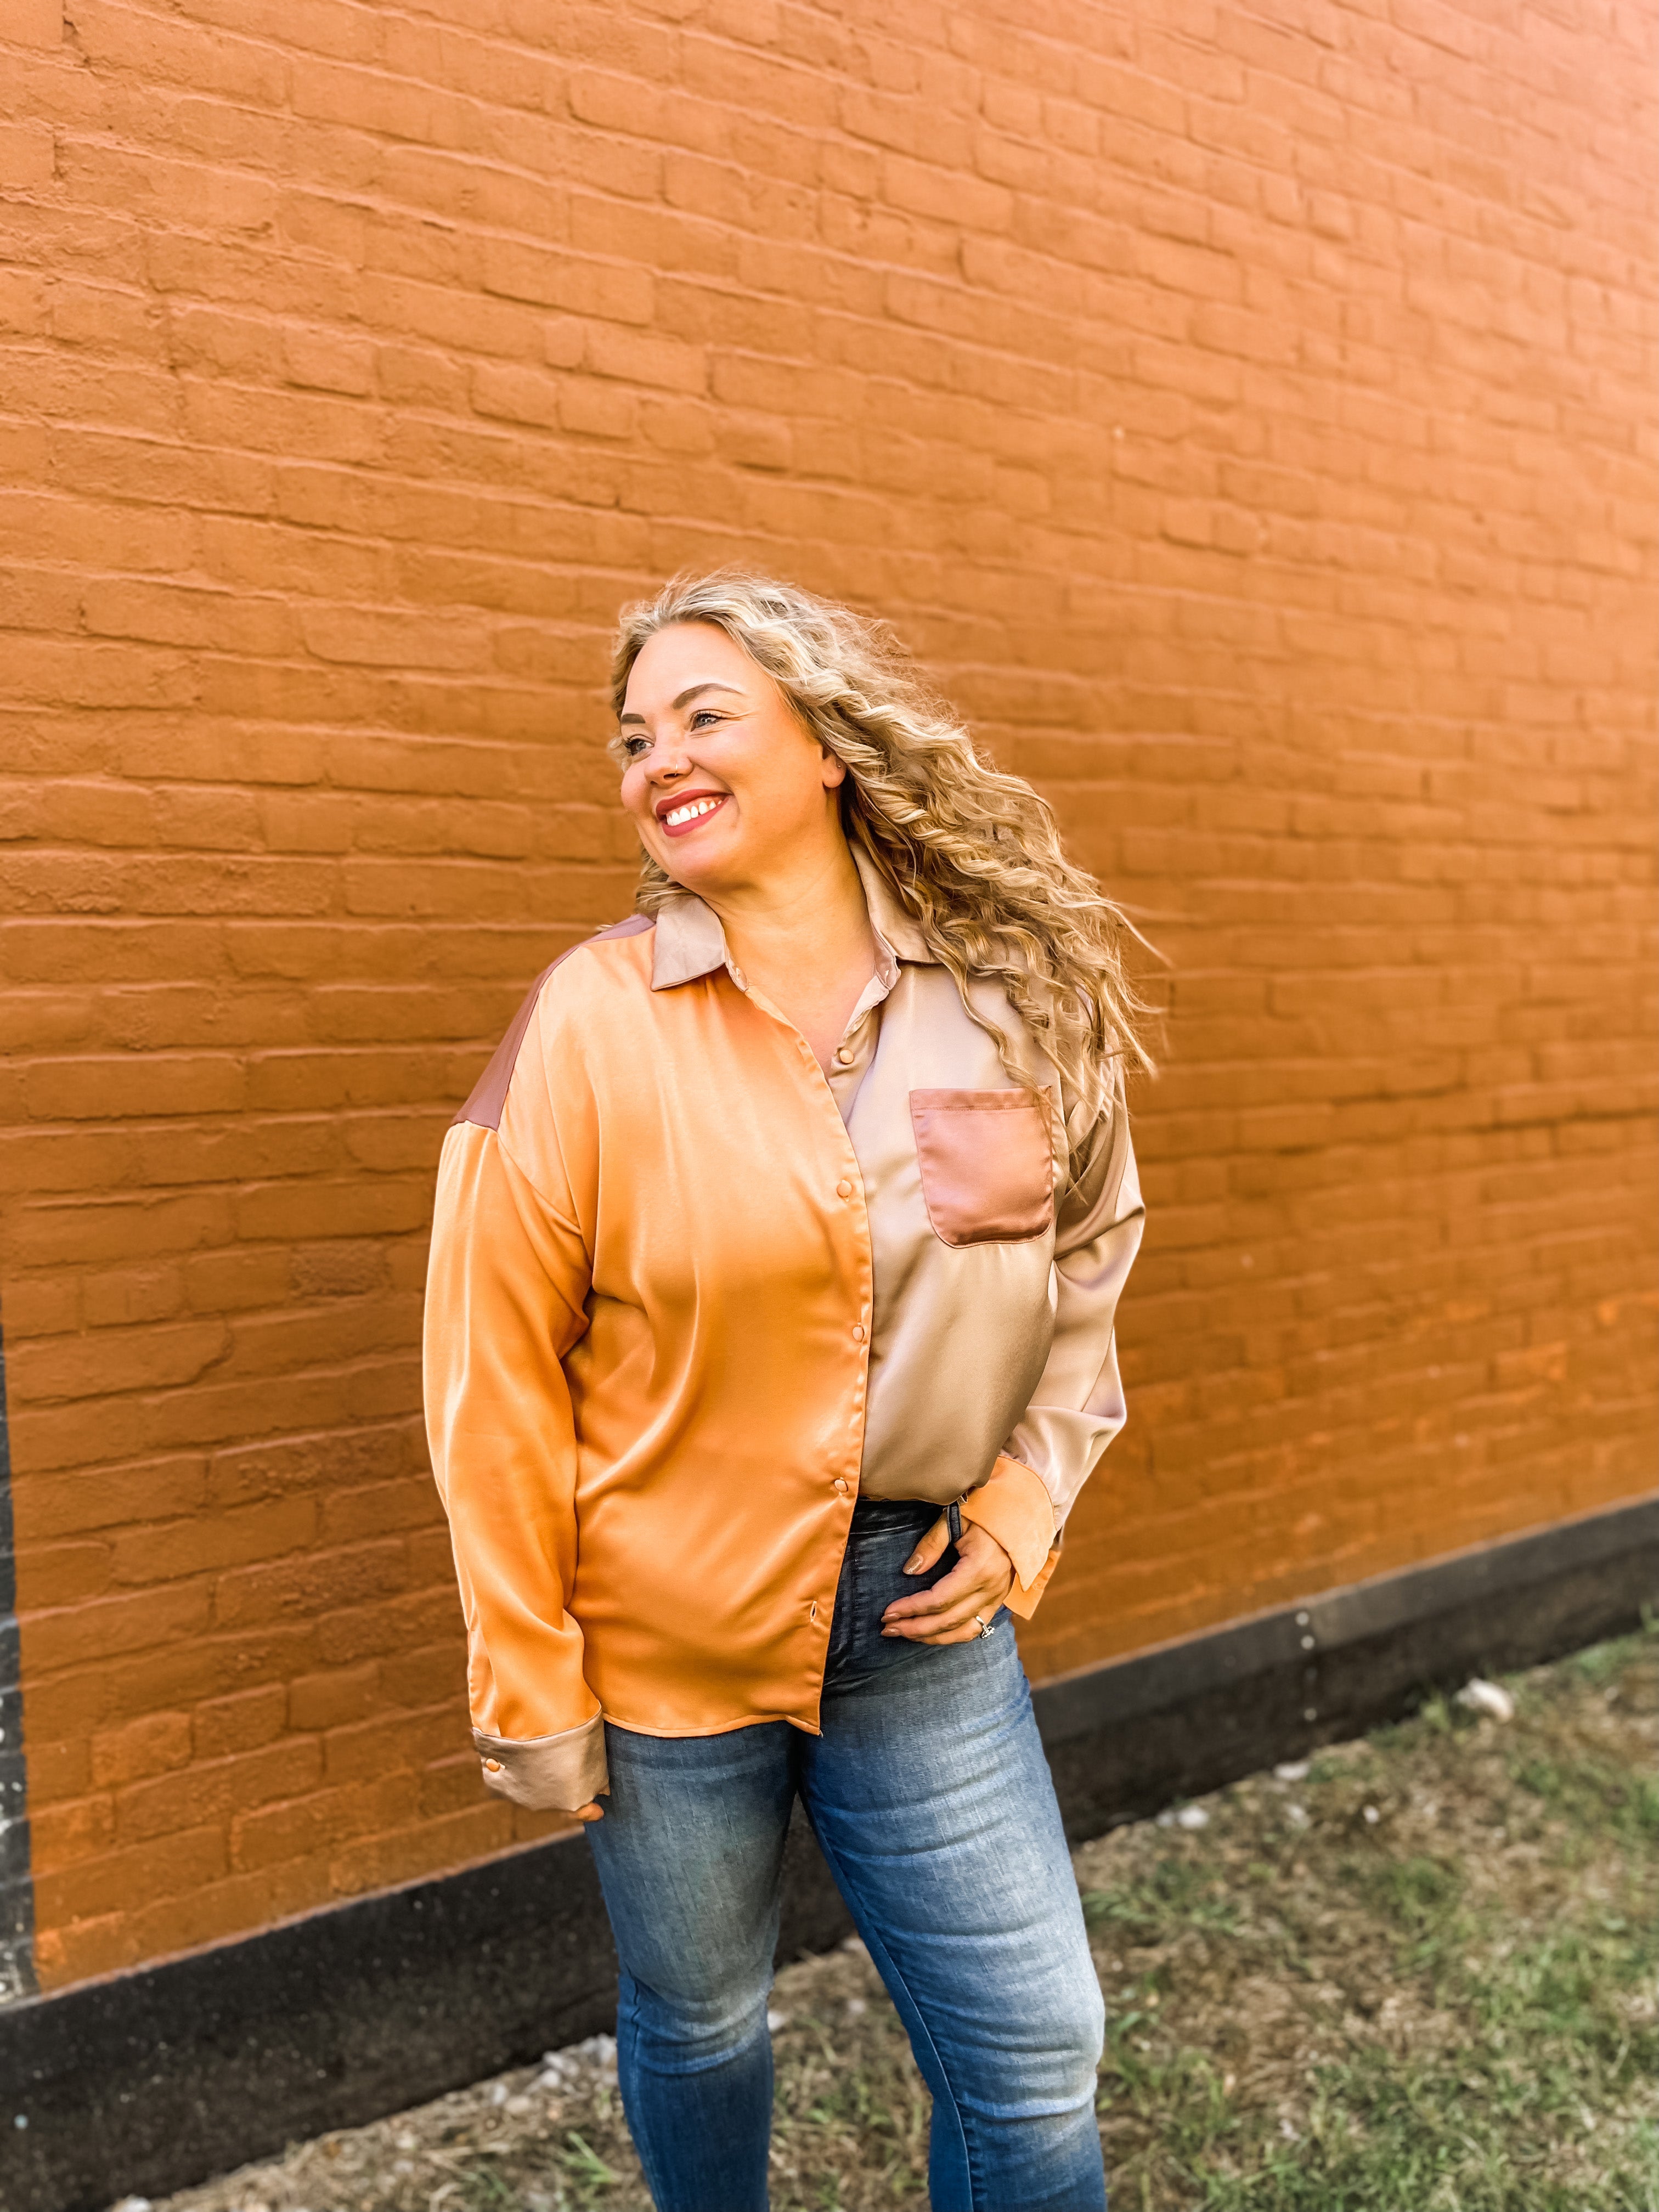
x=931, y=1798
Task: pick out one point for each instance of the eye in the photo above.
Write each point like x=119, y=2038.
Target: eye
x=705, y=714
x=632, y=743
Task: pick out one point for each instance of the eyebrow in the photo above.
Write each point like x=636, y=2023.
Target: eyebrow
x=690, y=692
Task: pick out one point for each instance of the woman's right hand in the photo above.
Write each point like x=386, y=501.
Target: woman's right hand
x=591, y=1811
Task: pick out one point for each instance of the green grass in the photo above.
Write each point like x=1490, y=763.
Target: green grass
x=1477, y=2029
x=1595, y=1794
x=1178, y=1893
x=1544, y=2047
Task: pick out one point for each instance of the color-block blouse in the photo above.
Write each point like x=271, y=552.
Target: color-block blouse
x=689, y=1298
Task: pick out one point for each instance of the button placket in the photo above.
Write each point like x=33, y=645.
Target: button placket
x=849, y=1189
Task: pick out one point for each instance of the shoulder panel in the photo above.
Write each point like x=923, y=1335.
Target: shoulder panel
x=489, y=1094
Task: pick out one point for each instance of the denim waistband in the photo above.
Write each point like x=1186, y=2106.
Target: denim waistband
x=884, y=1530
x=894, y=1513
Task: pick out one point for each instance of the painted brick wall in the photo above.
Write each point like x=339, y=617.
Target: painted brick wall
x=1247, y=409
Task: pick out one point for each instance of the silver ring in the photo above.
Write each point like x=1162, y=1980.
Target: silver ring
x=986, y=1628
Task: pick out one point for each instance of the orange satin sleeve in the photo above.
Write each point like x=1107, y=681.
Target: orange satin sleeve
x=506, y=1283
x=1013, y=1506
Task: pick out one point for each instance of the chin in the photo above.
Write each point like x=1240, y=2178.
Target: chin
x=705, y=883
x=698, y=871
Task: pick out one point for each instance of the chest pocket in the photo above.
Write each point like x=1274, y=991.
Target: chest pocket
x=988, y=1163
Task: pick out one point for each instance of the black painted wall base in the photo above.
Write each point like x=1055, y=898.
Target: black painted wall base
x=147, y=2081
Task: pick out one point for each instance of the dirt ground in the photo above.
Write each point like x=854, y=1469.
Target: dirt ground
x=1420, y=1975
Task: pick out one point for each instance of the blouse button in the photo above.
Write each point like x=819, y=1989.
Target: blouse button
x=843, y=1188
x=492, y=1766
x=840, y=1483
x=844, y=1055
x=857, y=1332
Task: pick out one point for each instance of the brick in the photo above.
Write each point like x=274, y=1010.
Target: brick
x=68, y=1574
x=106, y=1497
x=165, y=1551
x=641, y=360
x=155, y=1745
x=388, y=1628
x=165, y=1804
x=443, y=1839
x=34, y=23
x=357, y=1514
x=62, y=1835
x=109, y=1360
x=27, y=156
x=516, y=395
x=267, y=1836
x=252, y=1597
x=392, y=638
x=110, y=1627
x=207, y=1913
x=247, y=1720
x=42, y=1306
x=110, y=1883
x=94, y=1944
x=328, y=363
x=392, y=1742
x=93, y=1088
x=576, y=284
x=322, y=1459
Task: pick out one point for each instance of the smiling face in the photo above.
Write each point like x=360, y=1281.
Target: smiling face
x=727, y=787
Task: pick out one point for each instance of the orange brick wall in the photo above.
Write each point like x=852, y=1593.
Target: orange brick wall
x=1248, y=411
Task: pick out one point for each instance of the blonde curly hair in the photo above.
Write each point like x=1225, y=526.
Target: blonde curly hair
x=971, y=853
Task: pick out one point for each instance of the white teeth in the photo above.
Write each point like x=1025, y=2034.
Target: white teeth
x=697, y=806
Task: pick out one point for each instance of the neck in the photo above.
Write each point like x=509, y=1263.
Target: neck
x=816, y=904
x=804, y=940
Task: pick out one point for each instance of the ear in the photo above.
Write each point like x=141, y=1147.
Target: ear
x=832, y=767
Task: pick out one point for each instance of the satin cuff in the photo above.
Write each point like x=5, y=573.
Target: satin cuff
x=1013, y=1504
x=547, y=1773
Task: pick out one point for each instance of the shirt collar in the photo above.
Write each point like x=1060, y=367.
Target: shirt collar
x=897, y=931
x=689, y=941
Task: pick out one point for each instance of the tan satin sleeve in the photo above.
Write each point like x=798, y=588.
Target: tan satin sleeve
x=506, y=1284
x=1078, y=1405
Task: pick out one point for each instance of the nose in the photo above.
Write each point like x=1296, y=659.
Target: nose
x=668, y=763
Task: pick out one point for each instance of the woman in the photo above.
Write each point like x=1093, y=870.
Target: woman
x=769, y=1338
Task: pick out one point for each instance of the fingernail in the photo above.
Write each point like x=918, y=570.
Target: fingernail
x=913, y=1566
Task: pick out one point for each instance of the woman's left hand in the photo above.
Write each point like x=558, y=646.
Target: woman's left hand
x=977, y=1584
